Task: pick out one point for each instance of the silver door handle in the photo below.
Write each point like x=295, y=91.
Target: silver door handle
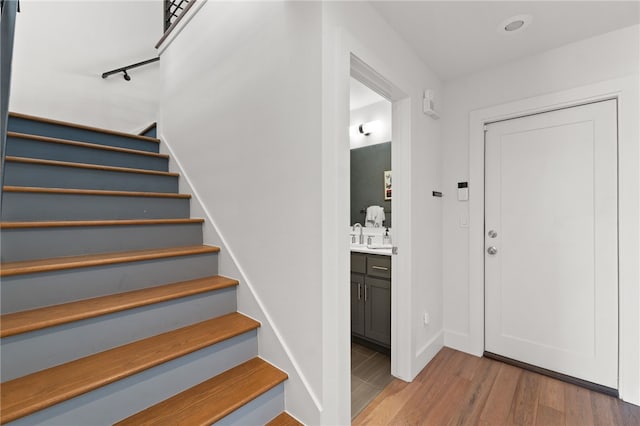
x=492, y=250
x=365, y=292
x=382, y=268
x=492, y=234
x=359, y=289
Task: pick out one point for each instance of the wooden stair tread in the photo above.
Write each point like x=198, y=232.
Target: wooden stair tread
x=110, y=222
x=284, y=419
x=85, y=144
x=58, y=163
x=40, y=190
x=36, y=391
x=213, y=399
x=71, y=262
x=49, y=316
x=82, y=126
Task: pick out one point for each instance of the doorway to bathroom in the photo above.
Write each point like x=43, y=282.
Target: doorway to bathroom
x=371, y=242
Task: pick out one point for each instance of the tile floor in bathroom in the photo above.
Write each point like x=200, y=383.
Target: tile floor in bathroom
x=370, y=374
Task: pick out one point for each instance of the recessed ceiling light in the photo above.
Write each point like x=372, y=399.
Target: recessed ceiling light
x=515, y=24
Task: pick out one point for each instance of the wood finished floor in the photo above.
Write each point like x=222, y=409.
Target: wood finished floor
x=370, y=374
x=460, y=389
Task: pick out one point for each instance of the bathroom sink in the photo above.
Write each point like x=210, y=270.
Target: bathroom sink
x=372, y=249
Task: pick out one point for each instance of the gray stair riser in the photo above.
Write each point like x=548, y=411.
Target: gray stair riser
x=121, y=399
x=53, y=288
x=41, y=243
x=22, y=354
x=152, y=132
x=31, y=148
x=24, y=206
x=259, y=411
x=32, y=127
x=50, y=176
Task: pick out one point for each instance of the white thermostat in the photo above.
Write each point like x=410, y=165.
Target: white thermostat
x=463, y=191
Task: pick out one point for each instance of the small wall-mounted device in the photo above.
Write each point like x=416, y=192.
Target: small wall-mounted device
x=428, y=105
x=463, y=191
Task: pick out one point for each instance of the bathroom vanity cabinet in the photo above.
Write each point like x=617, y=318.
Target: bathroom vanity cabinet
x=371, y=298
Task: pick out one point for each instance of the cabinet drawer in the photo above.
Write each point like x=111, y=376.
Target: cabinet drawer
x=379, y=266
x=358, y=263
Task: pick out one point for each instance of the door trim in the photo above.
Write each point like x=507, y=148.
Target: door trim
x=400, y=205
x=624, y=90
x=340, y=50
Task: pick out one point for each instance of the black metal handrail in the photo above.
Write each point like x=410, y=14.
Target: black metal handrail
x=128, y=67
x=173, y=9
x=7, y=31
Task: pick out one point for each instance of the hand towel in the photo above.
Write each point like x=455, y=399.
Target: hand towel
x=375, y=216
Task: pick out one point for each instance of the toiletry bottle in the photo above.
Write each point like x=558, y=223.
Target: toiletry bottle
x=386, y=238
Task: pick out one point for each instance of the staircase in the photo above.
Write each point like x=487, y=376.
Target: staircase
x=113, y=311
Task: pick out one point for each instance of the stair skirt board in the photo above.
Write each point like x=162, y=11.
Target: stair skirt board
x=68, y=285
x=33, y=206
x=19, y=145
x=121, y=399
x=21, y=354
x=40, y=243
x=35, y=126
x=65, y=176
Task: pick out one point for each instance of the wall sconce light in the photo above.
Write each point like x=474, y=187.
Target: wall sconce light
x=368, y=128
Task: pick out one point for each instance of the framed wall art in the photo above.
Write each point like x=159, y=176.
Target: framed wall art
x=387, y=184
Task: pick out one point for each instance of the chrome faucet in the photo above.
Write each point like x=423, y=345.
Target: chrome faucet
x=361, y=239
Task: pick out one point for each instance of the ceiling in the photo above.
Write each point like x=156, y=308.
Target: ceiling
x=455, y=38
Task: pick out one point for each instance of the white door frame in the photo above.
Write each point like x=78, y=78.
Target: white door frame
x=400, y=281
x=625, y=91
x=344, y=56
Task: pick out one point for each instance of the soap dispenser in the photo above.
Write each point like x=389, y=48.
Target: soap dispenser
x=386, y=238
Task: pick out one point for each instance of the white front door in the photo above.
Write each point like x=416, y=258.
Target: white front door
x=551, y=249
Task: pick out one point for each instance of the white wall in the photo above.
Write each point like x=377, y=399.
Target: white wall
x=63, y=47
x=244, y=112
x=380, y=112
x=355, y=27
x=241, y=113
x=605, y=57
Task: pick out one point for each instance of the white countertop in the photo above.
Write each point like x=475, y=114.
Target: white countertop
x=364, y=249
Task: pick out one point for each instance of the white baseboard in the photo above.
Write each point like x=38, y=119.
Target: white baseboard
x=458, y=341
x=425, y=354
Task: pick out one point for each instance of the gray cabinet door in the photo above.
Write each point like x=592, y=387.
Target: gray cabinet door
x=357, y=304
x=359, y=263
x=377, y=301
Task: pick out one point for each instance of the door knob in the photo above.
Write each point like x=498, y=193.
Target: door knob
x=492, y=250
x=492, y=234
